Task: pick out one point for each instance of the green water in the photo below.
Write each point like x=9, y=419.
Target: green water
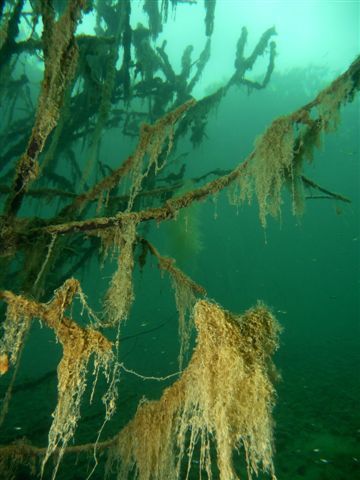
x=306, y=269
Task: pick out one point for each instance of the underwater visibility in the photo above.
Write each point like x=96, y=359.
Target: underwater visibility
x=179, y=240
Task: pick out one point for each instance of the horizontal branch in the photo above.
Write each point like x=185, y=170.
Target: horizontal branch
x=166, y=212
x=27, y=451
x=33, y=45
x=170, y=207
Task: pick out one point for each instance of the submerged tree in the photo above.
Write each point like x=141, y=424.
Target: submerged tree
x=120, y=79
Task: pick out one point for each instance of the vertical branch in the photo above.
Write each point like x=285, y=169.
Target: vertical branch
x=126, y=43
x=209, y=17
x=60, y=54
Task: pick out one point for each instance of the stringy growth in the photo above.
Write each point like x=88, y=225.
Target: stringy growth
x=14, y=328
x=151, y=144
x=273, y=162
x=185, y=300
x=120, y=295
x=78, y=345
x=110, y=241
x=72, y=372
x=60, y=58
x=269, y=167
x=330, y=101
x=223, y=400
x=185, y=297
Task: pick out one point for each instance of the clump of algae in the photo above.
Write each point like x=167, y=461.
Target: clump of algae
x=151, y=145
x=185, y=300
x=120, y=295
x=269, y=167
x=78, y=344
x=223, y=399
x=330, y=101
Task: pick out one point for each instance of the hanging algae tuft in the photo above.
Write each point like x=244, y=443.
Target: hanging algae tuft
x=151, y=144
x=269, y=167
x=120, y=295
x=185, y=300
x=223, y=400
x=78, y=344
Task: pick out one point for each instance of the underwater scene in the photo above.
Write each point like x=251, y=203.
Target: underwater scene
x=179, y=240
